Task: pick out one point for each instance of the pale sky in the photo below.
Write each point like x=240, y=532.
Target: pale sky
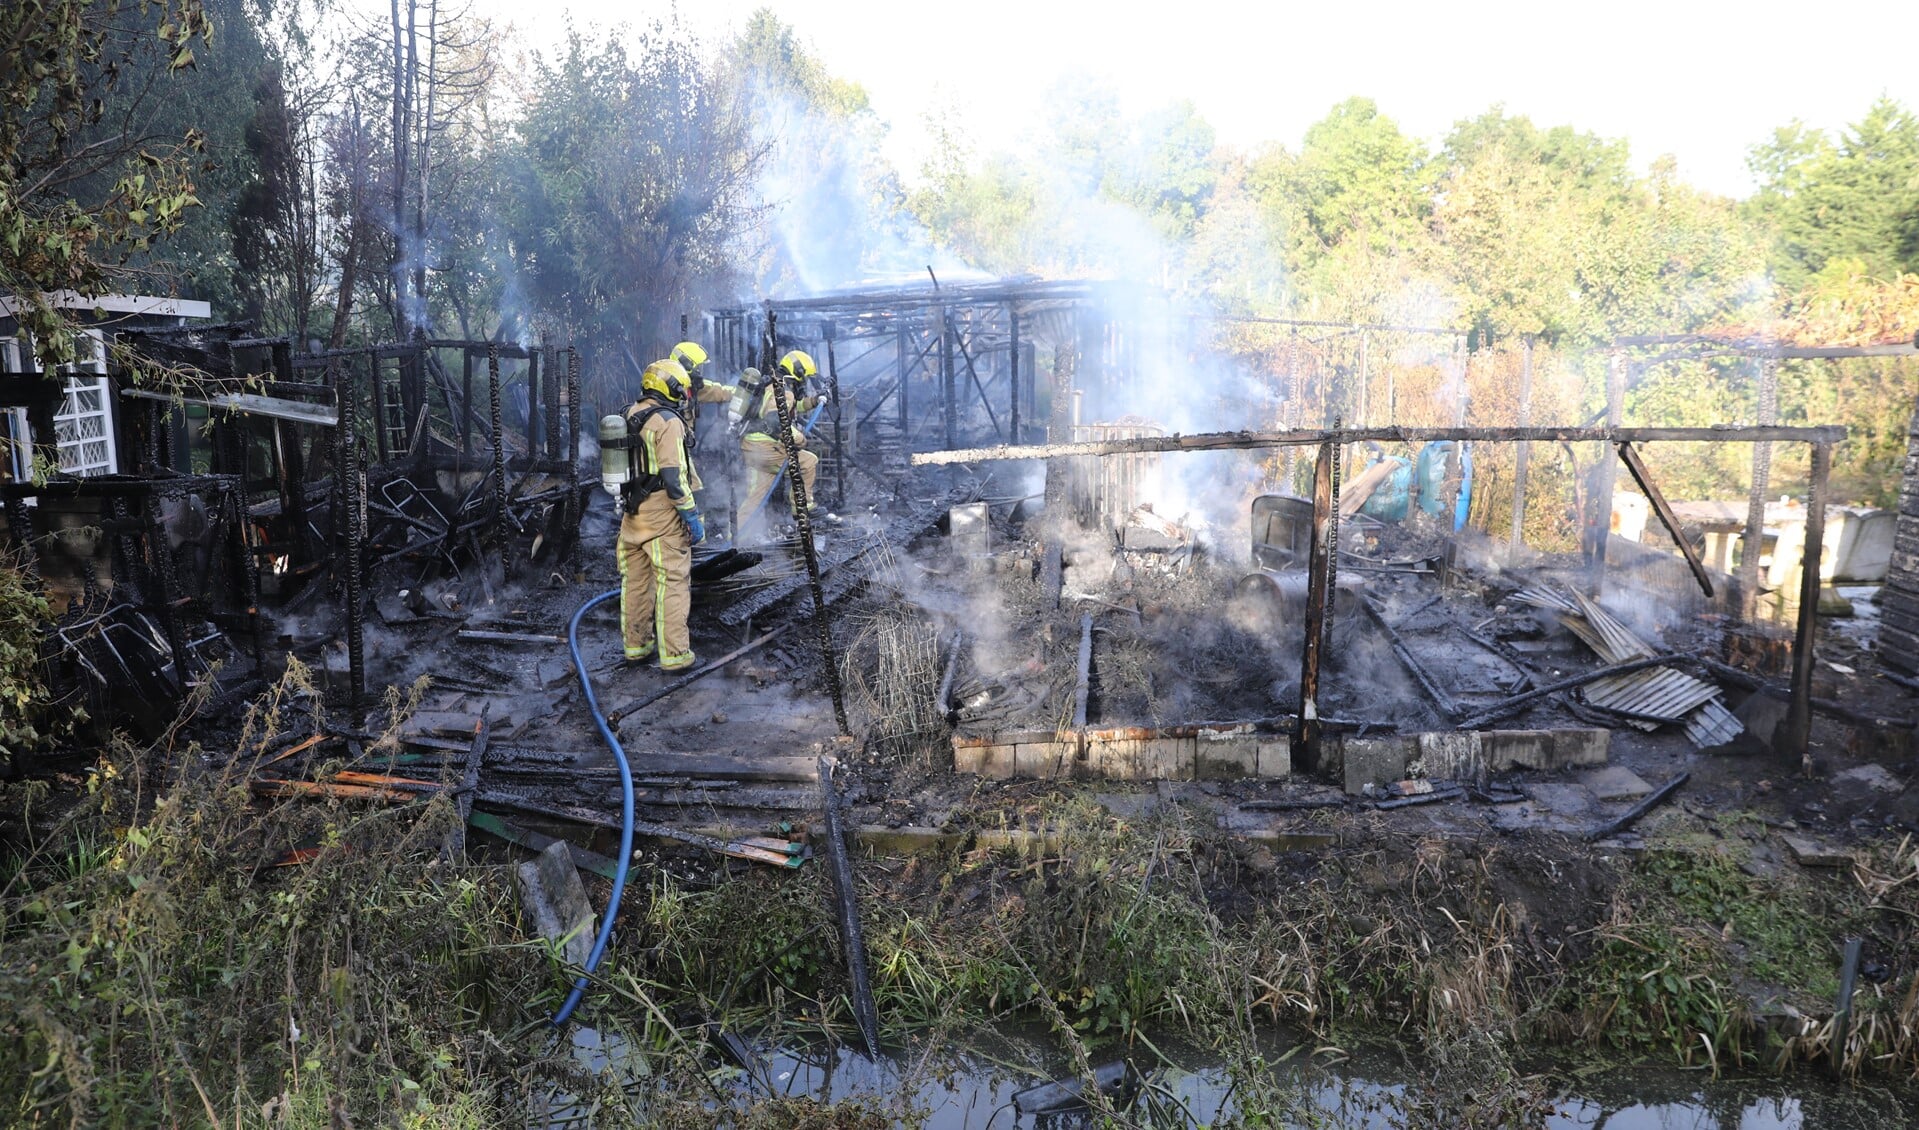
x=1700, y=80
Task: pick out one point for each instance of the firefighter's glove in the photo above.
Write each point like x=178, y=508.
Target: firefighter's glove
x=695, y=525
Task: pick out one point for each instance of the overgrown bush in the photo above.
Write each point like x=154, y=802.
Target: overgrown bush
x=23, y=618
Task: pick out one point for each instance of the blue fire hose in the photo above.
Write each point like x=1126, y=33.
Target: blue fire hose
x=626, y=809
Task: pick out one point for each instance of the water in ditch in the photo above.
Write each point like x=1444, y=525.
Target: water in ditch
x=978, y=1086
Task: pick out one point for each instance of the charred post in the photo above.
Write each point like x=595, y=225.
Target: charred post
x=802, y=519
x=1750, y=543
x=1522, y=457
x=1798, y=723
x=496, y=435
x=839, y=418
x=1319, y=570
x=1012, y=374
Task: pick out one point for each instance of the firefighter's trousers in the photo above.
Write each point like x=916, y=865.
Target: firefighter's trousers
x=656, y=583
x=765, y=458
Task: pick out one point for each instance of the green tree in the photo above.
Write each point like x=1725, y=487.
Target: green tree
x=1166, y=169
x=1855, y=196
x=631, y=190
x=1357, y=176
x=82, y=195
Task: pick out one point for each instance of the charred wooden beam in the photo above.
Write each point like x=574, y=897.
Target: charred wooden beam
x=1751, y=543
x=1520, y=702
x=802, y=518
x=1083, y=685
x=945, y=697
x=1522, y=458
x=852, y=941
x=1408, y=660
x=1798, y=724
x=1319, y=569
x=1629, y=455
x=1307, y=437
x=1653, y=800
x=613, y=716
x=469, y=781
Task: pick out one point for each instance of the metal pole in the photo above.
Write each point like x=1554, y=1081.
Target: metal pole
x=839, y=421
x=900, y=386
x=379, y=403
x=1293, y=416
x=1523, y=456
x=1365, y=378
x=535, y=402
x=947, y=390
x=1012, y=394
x=1752, y=543
x=1842, y=1008
x=1798, y=725
x=466, y=402
x=552, y=413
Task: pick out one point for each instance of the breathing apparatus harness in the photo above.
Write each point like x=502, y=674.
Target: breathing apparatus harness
x=638, y=483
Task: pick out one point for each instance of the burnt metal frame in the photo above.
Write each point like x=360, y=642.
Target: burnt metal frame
x=941, y=339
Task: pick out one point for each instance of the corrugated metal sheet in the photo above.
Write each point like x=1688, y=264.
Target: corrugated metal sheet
x=1655, y=692
x=1713, y=725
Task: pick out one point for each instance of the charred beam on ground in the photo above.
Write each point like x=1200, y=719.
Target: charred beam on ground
x=613, y=716
x=1444, y=701
x=1520, y=702
x=945, y=697
x=469, y=782
x=851, y=940
x=1653, y=800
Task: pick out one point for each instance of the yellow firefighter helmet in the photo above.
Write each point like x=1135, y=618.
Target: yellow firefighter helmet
x=798, y=365
x=666, y=379
x=689, y=355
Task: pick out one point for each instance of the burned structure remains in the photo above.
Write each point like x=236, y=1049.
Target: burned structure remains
x=1021, y=580
x=249, y=490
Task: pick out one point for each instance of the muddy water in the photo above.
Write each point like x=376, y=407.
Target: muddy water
x=973, y=1088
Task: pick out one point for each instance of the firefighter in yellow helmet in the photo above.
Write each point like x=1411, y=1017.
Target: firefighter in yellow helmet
x=760, y=446
x=692, y=358
x=662, y=521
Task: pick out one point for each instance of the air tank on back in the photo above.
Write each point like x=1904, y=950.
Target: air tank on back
x=616, y=466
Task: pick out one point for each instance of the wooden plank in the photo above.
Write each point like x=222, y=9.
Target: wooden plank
x=469, y=781
x=733, y=767
x=537, y=842
x=1242, y=441
x=1629, y=455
